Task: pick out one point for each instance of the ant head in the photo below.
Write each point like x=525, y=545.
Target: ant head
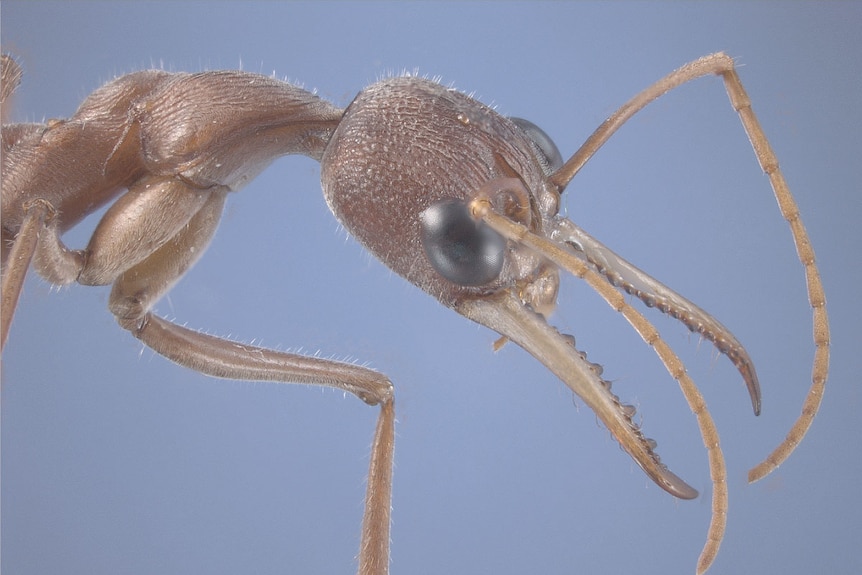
x=407, y=158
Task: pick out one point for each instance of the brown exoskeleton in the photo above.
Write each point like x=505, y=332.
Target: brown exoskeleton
x=459, y=200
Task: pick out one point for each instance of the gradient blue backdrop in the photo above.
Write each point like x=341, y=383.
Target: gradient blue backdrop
x=116, y=461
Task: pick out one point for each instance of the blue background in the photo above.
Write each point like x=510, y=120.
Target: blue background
x=117, y=461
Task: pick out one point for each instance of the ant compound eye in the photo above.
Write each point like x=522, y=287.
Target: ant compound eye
x=461, y=249
x=547, y=151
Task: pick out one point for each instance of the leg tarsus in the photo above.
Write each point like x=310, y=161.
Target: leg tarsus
x=374, y=544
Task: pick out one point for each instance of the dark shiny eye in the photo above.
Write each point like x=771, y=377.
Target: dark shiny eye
x=462, y=250
x=546, y=150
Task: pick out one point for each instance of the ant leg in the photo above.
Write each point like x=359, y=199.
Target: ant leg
x=138, y=288
x=18, y=260
x=137, y=224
